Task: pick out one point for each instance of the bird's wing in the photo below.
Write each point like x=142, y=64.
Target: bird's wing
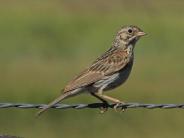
x=112, y=61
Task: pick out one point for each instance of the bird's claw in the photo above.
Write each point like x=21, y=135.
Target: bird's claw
x=118, y=105
x=104, y=108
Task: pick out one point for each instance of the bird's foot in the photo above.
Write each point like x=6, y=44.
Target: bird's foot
x=119, y=105
x=104, y=108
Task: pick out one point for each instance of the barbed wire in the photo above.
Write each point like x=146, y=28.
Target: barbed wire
x=92, y=105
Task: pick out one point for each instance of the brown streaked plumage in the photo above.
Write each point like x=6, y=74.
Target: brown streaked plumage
x=102, y=67
x=108, y=71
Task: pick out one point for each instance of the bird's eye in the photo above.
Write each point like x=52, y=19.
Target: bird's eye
x=130, y=31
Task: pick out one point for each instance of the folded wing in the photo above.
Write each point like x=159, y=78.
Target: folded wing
x=109, y=63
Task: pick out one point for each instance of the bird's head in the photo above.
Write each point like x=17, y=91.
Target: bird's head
x=128, y=35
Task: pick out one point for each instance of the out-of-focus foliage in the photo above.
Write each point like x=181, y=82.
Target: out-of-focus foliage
x=43, y=44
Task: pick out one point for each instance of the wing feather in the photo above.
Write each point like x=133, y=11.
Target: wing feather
x=112, y=61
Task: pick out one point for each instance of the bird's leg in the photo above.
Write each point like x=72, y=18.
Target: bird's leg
x=114, y=100
x=105, y=106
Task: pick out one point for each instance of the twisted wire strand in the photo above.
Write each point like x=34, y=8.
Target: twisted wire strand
x=93, y=105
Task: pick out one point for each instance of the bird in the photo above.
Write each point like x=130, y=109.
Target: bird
x=107, y=72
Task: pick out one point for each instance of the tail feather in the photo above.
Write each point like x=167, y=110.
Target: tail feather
x=57, y=100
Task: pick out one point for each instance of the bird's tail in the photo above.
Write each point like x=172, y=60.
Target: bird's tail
x=57, y=100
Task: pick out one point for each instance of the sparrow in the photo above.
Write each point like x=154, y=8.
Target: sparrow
x=107, y=72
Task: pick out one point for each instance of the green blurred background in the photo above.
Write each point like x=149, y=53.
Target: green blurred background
x=43, y=44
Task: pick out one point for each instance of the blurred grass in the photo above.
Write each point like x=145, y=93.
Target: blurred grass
x=42, y=41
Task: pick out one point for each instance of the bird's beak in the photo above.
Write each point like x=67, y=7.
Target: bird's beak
x=141, y=34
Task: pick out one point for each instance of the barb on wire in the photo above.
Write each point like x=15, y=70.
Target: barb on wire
x=93, y=105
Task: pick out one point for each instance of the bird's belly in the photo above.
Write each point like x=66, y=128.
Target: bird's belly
x=120, y=79
x=112, y=81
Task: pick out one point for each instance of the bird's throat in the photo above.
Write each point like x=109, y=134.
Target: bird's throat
x=129, y=49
